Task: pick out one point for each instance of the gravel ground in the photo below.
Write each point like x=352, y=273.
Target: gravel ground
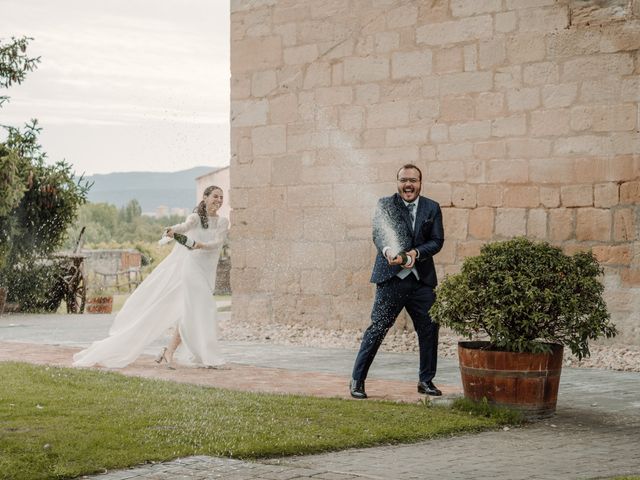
x=618, y=357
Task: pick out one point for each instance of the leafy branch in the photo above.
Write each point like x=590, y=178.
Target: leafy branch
x=15, y=63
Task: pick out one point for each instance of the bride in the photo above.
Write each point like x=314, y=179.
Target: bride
x=178, y=293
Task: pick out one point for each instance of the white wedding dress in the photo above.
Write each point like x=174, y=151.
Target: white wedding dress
x=178, y=293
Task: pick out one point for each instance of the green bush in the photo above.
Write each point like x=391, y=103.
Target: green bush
x=34, y=223
x=37, y=286
x=525, y=295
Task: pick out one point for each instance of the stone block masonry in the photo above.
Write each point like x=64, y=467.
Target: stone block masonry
x=522, y=114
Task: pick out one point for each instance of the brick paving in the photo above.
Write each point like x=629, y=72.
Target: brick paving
x=234, y=376
x=595, y=433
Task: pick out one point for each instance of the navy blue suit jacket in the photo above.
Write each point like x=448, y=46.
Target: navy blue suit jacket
x=392, y=228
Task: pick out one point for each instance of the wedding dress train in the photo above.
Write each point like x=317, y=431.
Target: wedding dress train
x=178, y=293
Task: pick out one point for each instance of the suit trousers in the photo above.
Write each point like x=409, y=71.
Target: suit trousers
x=391, y=297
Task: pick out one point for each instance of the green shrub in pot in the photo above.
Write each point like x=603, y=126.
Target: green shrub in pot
x=525, y=296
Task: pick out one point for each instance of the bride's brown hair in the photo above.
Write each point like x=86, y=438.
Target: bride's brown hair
x=201, y=209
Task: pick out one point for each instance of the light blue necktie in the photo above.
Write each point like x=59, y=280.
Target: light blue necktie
x=412, y=214
x=404, y=273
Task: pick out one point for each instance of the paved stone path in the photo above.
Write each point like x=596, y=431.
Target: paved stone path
x=233, y=376
x=575, y=444
x=595, y=433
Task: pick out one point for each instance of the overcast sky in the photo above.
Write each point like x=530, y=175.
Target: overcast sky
x=124, y=85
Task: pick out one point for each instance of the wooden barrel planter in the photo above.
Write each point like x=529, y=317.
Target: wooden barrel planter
x=525, y=381
x=99, y=304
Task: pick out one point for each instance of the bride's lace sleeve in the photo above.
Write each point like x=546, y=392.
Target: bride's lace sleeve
x=220, y=235
x=190, y=223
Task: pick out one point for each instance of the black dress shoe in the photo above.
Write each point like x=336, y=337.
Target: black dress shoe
x=356, y=388
x=429, y=388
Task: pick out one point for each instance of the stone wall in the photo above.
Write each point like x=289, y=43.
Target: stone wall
x=111, y=261
x=111, y=267
x=522, y=114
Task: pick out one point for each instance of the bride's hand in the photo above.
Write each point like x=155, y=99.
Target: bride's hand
x=168, y=233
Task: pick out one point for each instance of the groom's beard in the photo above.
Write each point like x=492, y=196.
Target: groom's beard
x=409, y=193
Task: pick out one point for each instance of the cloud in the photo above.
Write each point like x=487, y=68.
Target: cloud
x=122, y=63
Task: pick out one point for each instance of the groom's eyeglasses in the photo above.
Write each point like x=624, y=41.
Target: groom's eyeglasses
x=408, y=180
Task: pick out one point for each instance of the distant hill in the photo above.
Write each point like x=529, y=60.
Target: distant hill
x=151, y=189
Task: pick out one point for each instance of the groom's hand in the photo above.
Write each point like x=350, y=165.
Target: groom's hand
x=386, y=252
x=397, y=260
x=412, y=257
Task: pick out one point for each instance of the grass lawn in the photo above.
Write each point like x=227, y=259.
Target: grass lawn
x=61, y=423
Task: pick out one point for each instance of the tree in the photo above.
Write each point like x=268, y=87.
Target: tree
x=106, y=225
x=100, y=221
x=12, y=185
x=131, y=211
x=38, y=200
x=14, y=63
x=49, y=204
x=37, y=226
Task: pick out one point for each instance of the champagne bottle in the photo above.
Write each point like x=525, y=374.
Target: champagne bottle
x=184, y=240
x=406, y=259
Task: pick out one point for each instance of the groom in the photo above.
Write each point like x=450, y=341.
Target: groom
x=410, y=223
